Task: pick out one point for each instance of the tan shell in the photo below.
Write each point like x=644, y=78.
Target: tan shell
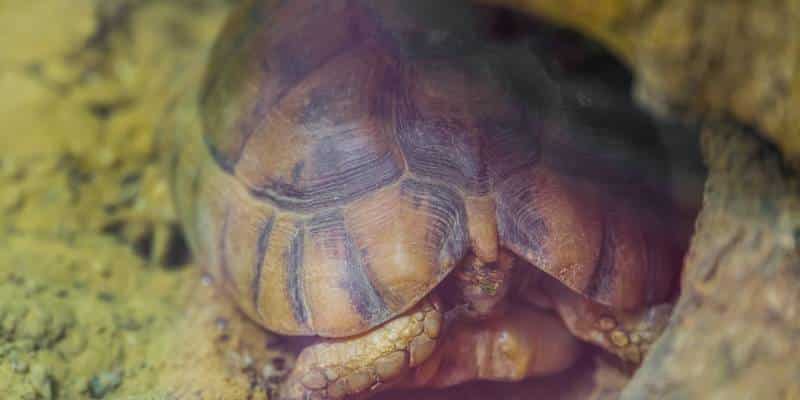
x=346, y=168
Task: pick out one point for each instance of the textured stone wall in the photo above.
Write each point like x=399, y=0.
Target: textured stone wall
x=733, y=67
x=734, y=58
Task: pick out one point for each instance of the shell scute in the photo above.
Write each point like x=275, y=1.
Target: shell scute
x=257, y=59
x=331, y=136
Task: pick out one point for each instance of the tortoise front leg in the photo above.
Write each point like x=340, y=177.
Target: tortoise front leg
x=362, y=365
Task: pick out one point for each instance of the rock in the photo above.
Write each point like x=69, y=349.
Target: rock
x=734, y=333
x=696, y=57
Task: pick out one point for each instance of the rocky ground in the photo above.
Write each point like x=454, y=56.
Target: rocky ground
x=87, y=307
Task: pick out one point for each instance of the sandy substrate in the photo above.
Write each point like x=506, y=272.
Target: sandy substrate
x=87, y=308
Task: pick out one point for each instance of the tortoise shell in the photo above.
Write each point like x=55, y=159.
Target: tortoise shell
x=351, y=153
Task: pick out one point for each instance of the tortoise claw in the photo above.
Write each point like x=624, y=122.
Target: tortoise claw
x=630, y=335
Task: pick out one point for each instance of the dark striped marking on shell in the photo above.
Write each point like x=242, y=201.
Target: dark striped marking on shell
x=601, y=283
x=328, y=230
x=293, y=260
x=261, y=251
x=447, y=208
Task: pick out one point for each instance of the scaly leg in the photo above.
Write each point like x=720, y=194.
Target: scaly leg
x=626, y=334
x=359, y=366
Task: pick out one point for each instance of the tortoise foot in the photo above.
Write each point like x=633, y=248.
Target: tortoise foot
x=360, y=366
x=627, y=334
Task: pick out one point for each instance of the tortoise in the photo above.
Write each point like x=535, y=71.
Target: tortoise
x=397, y=180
